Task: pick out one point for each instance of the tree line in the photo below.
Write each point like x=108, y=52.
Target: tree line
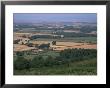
x=66, y=56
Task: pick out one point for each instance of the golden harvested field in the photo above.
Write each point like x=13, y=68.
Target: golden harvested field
x=20, y=34
x=60, y=45
x=66, y=45
x=41, y=42
x=18, y=47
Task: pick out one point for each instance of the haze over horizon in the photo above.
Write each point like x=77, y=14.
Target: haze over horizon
x=54, y=17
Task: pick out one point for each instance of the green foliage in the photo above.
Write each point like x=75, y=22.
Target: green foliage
x=29, y=44
x=66, y=35
x=84, y=67
x=78, y=53
x=36, y=45
x=18, y=53
x=37, y=62
x=40, y=36
x=16, y=41
x=65, y=60
x=70, y=34
x=88, y=29
x=53, y=42
x=44, y=46
x=71, y=39
x=49, y=61
x=47, y=53
x=21, y=63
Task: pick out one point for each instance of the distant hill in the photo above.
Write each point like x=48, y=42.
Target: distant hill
x=85, y=27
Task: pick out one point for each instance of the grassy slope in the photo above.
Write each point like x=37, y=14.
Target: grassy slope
x=85, y=67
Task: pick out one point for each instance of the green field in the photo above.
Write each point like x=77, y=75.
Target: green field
x=84, y=67
x=72, y=39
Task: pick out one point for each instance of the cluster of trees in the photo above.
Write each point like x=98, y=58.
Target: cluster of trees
x=88, y=29
x=53, y=42
x=16, y=41
x=65, y=57
x=39, y=36
x=21, y=63
x=30, y=44
x=43, y=36
x=66, y=34
x=78, y=53
x=44, y=46
x=71, y=34
x=20, y=53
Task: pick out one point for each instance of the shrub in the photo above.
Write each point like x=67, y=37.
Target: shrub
x=21, y=63
x=37, y=62
x=18, y=53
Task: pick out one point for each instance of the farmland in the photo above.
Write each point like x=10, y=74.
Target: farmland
x=61, y=44
x=49, y=50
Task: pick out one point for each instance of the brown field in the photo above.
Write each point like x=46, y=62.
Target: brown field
x=66, y=45
x=75, y=45
x=20, y=34
x=58, y=46
x=18, y=47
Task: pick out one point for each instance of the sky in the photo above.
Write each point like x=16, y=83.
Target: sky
x=54, y=17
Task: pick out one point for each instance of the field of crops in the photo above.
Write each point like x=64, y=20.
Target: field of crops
x=72, y=39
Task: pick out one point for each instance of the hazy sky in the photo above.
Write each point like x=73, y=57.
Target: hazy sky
x=54, y=17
